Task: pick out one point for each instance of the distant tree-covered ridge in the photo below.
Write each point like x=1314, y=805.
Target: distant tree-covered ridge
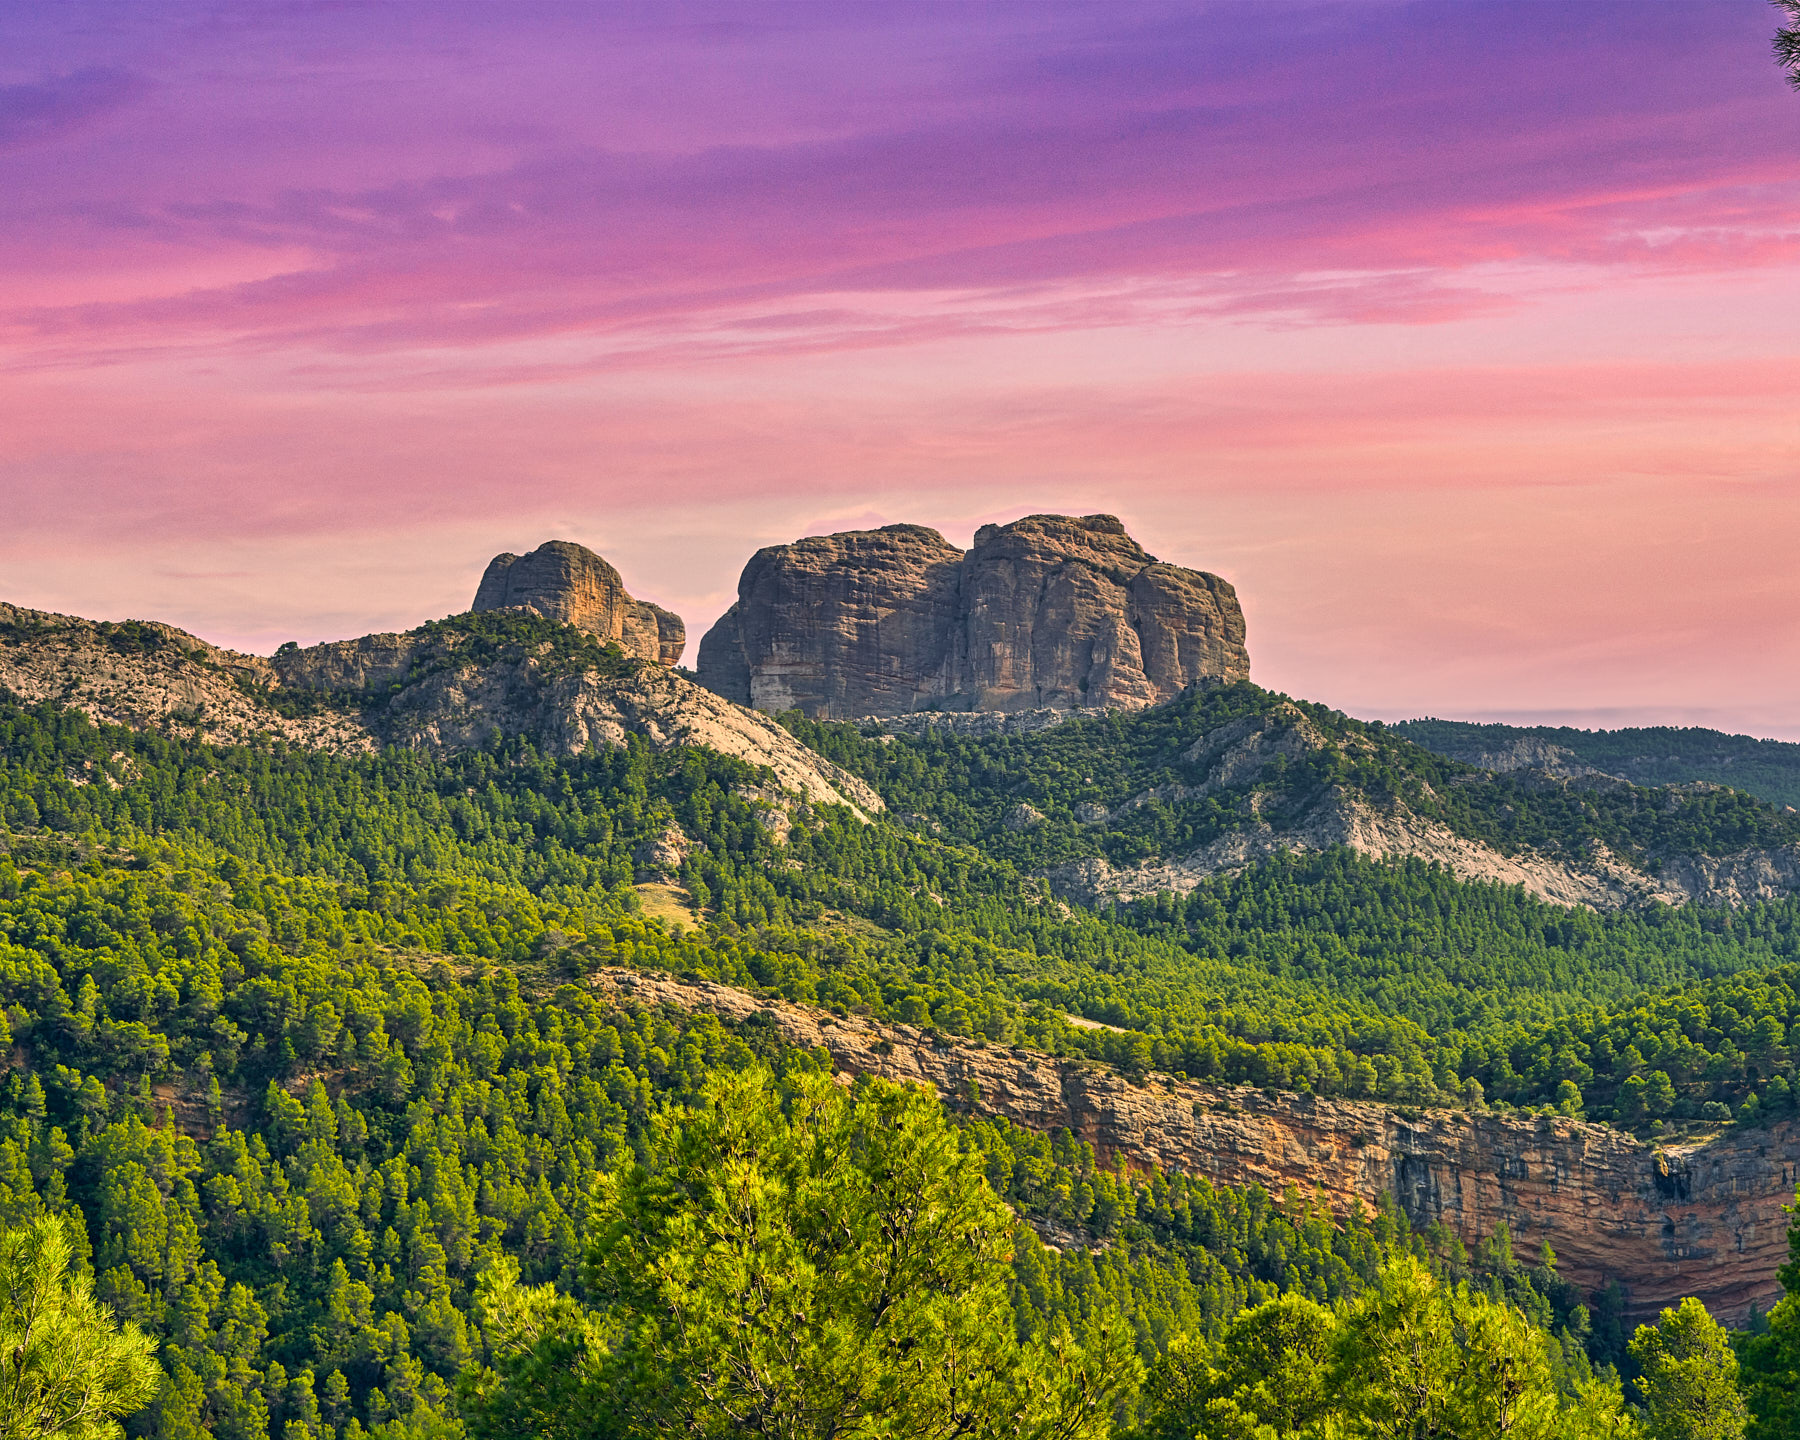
x=1328, y=973
x=1645, y=755
x=1158, y=783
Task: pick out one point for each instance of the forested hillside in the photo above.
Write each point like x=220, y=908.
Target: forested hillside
x=1223, y=758
x=301, y=1042
x=1644, y=755
x=296, y=1043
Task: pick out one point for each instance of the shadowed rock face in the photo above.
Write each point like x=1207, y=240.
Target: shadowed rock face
x=567, y=582
x=851, y=624
x=1047, y=612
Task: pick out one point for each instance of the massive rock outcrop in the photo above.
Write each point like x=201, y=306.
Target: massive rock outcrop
x=1702, y=1220
x=1047, y=612
x=564, y=581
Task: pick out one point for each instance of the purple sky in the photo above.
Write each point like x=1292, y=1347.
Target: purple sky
x=1461, y=337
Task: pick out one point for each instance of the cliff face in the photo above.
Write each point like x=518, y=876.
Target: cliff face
x=570, y=583
x=850, y=624
x=1048, y=611
x=1705, y=1220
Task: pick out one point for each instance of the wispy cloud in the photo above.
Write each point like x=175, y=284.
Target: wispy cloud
x=56, y=107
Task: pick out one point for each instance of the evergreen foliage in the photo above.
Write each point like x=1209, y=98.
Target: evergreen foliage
x=304, y=1066
x=1150, y=770
x=67, y=1370
x=1644, y=755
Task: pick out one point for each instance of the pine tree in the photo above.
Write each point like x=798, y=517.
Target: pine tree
x=68, y=1371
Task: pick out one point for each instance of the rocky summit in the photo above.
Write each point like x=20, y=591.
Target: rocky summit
x=1047, y=612
x=570, y=583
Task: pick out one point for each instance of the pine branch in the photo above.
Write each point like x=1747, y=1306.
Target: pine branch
x=1787, y=41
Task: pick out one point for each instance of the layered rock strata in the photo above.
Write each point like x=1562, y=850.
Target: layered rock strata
x=1047, y=612
x=569, y=583
x=1705, y=1220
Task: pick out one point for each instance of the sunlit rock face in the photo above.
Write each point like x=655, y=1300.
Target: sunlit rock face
x=564, y=581
x=1050, y=611
x=1701, y=1219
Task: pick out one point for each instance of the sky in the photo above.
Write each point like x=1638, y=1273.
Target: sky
x=1461, y=337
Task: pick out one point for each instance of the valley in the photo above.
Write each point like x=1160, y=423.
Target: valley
x=361, y=964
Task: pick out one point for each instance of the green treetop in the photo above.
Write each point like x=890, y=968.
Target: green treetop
x=67, y=1370
x=1690, y=1377
x=798, y=1261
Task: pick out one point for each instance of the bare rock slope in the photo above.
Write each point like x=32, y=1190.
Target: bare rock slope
x=448, y=699
x=564, y=581
x=1705, y=1220
x=150, y=676
x=435, y=689
x=1049, y=611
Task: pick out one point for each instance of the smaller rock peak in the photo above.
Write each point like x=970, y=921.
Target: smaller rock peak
x=563, y=581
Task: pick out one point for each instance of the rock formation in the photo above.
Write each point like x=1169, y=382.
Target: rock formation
x=1047, y=612
x=1702, y=1220
x=419, y=690
x=564, y=581
x=148, y=676
x=423, y=694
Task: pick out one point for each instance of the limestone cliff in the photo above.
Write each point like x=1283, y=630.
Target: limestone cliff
x=564, y=581
x=1047, y=612
x=1705, y=1220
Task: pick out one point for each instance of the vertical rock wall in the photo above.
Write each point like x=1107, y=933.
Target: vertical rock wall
x=1705, y=1220
x=1049, y=611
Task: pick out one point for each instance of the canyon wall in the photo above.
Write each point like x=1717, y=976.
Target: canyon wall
x=1049, y=611
x=1701, y=1220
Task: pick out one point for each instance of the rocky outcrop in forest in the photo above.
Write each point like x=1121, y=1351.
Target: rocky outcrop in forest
x=570, y=583
x=438, y=688
x=1049, y=611
x=1703, y=1220
x=1239, y=756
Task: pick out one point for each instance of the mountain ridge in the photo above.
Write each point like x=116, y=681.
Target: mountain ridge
x=445, y=685
x=1644, y=755
x=1122, y=806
